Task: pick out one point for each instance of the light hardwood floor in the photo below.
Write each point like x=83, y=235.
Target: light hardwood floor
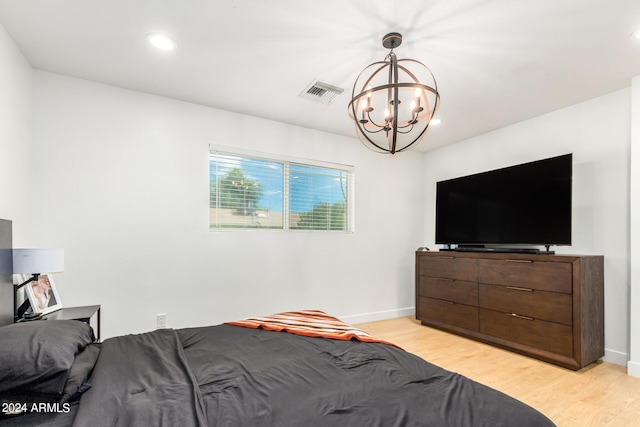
x=601, y=394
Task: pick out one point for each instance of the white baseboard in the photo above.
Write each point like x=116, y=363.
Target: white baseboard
x=617, y=357
x=633, y=369
x=379, y=315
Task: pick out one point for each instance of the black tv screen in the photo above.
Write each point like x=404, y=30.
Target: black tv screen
x=526, y=204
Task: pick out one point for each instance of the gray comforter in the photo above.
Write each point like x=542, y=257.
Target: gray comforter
x=232, y=376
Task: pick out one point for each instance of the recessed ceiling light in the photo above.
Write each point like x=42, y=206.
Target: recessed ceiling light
x=161, y=42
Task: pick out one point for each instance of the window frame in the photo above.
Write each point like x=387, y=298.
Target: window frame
x=286, y=162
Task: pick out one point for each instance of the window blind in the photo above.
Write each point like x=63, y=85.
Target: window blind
x=318, y=198
x=256, y=192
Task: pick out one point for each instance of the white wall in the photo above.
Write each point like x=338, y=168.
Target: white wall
x=15, y=95
x=597, y=132
x=121, y=182
x=634, y=362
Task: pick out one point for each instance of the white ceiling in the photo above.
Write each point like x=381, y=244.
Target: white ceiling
x=496, y=62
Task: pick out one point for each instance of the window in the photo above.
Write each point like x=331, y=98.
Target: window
x=256, y=192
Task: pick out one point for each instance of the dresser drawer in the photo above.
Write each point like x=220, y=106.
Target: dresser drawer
x=448, y=267
x=552, y=337
x=540, y=275
x=449, y=289
x=453, y=314
x=550, y=306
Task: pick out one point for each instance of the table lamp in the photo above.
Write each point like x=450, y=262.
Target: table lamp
x=34, y=262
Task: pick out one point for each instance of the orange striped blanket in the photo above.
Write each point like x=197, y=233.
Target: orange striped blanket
x=310, y=323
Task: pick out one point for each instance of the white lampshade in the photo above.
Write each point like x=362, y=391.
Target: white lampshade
x=38, y=261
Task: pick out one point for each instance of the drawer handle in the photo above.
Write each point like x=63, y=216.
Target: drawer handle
x=527, y=261
x=445, y=301
x=446, y=257
x=515, y=288
x=520, y=317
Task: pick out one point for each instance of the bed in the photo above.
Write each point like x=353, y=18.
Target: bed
x=290, y=369
x=299, y=369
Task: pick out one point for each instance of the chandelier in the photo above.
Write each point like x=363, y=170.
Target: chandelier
x=393, y=101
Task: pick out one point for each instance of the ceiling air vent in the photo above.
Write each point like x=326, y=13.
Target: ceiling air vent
x=321, y=92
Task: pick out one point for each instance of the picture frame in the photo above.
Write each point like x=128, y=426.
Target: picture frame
x=43, y=294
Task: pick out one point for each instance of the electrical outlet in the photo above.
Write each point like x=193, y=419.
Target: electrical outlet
x=161, y=321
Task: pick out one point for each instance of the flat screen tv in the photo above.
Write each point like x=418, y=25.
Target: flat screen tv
x=526, y=204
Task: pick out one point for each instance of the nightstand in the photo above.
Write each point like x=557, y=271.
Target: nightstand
x=83, y=314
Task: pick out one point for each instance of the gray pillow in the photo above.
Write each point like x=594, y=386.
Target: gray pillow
x=37, y=356
x=80, y=371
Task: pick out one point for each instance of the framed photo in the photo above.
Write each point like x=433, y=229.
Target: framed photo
x=43, y=294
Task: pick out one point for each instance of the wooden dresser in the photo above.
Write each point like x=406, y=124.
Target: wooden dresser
x=550, y=307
